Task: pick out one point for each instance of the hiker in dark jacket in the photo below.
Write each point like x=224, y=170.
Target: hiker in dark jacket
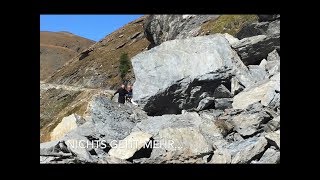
x=129, y=95
x=122, y=93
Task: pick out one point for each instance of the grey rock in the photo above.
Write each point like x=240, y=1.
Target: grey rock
x=204, y=103
x=254, y=108
x=237, y=137
x=221, y=92
x=259, y=28
x=253, y=49
x=49, y=147
x=242, y=152
x=268, y=17
x=172, y=76
x=274, y=138
x=161, y=28
x=236, y=87
x=272, y=125
x=66, y=125
x=221, y=156
x=213, y=133
x=223, y=103
x=273, y=56
x=275, y=102
x=230, y=38
x=138, y=115
x=263, y=64
x=176, y=143
x=248, y=124
x=108, y=119
x=258, y=73
x=46, y=159
x=270, y=156
x=78, y=147
x=126, y=148
x=263, y=91
x=154, y=124
x=273, y=67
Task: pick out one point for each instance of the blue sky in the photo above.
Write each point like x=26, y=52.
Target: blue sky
x=94, y=27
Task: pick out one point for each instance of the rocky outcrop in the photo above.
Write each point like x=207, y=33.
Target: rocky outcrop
x=172, y=76
x=268, y=17
x=161, y=28
x=260, y=28
x=253, y=49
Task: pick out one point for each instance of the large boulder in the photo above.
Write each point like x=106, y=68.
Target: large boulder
x=175, y=145
x=248, y=124
x=260, y=28
x=243, y=152
x=254, y=49
x=66, y=125
x=264, y=92
x=126, y=148
x=161, y=28
x=270, y=156
x=108, y=120
x=172, y=76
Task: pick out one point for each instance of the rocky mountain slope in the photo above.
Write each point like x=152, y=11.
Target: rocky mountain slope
x=206, y=99
x=56, y=48
x=97, y=66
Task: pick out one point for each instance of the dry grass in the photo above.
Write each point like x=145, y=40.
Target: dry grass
x=56, y=49
x=55, y=104
x=230, y=24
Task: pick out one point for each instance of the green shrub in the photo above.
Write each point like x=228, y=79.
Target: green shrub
x=125, y=65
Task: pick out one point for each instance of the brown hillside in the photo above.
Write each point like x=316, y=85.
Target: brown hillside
x=56, y=48
x=98, y=66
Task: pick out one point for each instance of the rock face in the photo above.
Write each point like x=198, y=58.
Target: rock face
x=261, y=28
x=253, y=49
x=161, y=28
x=204, y=63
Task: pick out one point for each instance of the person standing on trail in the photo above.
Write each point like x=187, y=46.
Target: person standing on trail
x=122, y=93
x=129, y=95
